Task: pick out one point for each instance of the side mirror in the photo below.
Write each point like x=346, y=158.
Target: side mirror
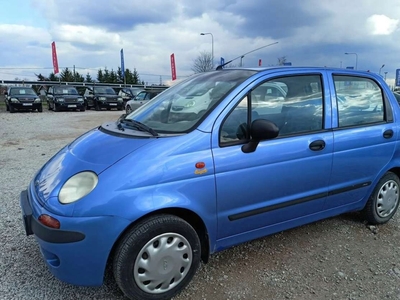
x=260, y=130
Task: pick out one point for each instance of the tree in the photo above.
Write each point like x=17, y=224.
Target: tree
x=281, y=60
x=88, y=78
x=53, y=77
x=66, y=75
x=106, y=75
x=113, y=77
x=203, y=63
x=100, y=75
x=78, y=77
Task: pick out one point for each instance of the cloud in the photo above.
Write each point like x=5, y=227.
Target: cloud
x=382, y=25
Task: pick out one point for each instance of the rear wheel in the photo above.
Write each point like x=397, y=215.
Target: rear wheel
x=384, y=201
x=157, y=258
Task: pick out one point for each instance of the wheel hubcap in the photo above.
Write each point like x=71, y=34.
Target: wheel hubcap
x=387, y=199
x=163, y=263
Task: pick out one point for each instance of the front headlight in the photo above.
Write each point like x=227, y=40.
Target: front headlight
x=14, y=100
x=119, y=99
x=37, y=100
x=102, y=98
x=190, y=103
x=80, y=99
x=77, y=187
x=60, y=99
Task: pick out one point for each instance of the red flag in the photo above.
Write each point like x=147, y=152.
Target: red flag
x=173, y=68
x=54, y=55
x=259, y=62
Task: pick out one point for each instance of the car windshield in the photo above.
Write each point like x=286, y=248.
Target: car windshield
x=65, y=90
x=104, y=90
x=181, y=107
x=22, y=91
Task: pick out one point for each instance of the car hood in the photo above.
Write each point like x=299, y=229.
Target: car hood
x=94, y=151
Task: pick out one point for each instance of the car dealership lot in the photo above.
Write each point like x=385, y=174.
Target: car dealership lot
x=339, y=258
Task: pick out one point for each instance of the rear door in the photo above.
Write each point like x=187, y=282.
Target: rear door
x=364, y=135
x=285, y=178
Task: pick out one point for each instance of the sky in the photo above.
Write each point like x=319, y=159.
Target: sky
x=89, y=35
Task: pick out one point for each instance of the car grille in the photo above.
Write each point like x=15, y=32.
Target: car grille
x=25, y=100
x=69, y=100
x=177, y=108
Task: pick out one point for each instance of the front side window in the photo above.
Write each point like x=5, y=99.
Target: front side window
x=359, y=101
x=294, y=104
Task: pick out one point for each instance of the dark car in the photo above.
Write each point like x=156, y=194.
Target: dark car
x=140, y=99
x=129, y=93
x=64, y=98
x=22, y=98
x=102, y=97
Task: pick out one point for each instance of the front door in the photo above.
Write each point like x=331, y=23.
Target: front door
x=285, y=178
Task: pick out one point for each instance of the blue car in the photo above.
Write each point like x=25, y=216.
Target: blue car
x=157, y=191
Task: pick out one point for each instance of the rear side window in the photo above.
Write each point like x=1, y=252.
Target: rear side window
x=359, y=101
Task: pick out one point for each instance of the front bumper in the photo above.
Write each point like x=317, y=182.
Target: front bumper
x=117, y=105
x=25, y=105
x=71, y=105
x=77, y=253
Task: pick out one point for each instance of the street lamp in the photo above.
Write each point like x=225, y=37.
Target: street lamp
x=212, y=46
x=381, y=69
x=355, y=55
x=385, y=75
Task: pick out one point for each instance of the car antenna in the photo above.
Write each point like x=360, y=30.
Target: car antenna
x=221, y=66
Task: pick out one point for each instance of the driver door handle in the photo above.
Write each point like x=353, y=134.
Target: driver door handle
x=317, y=145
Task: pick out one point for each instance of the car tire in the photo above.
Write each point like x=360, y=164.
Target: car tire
x=7, y=108
x=120, y=108
x=56, y=108
x=97, y=107
x=82, y=108
x=12, y=109
x=40, y=109
x=384, y=200
x=128, y=109
x=178, y=249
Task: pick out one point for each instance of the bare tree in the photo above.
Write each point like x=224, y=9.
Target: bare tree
x=203, y=63
x=281, y=60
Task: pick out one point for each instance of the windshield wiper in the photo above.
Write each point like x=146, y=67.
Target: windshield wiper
x=135, y=124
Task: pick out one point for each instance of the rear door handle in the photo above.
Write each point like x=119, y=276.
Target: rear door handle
x=388, y=134
x=317, y=145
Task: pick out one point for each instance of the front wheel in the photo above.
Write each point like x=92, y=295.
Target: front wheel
x=128, y=109
x=40, y=109
x=384, y=201
x=157, y=258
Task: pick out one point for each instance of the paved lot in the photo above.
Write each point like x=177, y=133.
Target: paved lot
x=339, y=258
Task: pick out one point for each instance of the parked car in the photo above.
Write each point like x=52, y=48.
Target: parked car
x=129, y=93
x=62, y=97
x=100, y=97
x=22, y=98
x=140, y=99
x=397, y=96
x=153, y=195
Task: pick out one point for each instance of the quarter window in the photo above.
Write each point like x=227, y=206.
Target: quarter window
x=359, y=101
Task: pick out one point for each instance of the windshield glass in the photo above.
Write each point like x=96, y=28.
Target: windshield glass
x=22, y=91
x=104, y=90
x=181, y=107
x=64, y=90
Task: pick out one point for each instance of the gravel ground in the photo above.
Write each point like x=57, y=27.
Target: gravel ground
x=338, y=258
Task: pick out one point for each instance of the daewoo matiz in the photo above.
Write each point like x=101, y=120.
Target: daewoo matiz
x=274, y=149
